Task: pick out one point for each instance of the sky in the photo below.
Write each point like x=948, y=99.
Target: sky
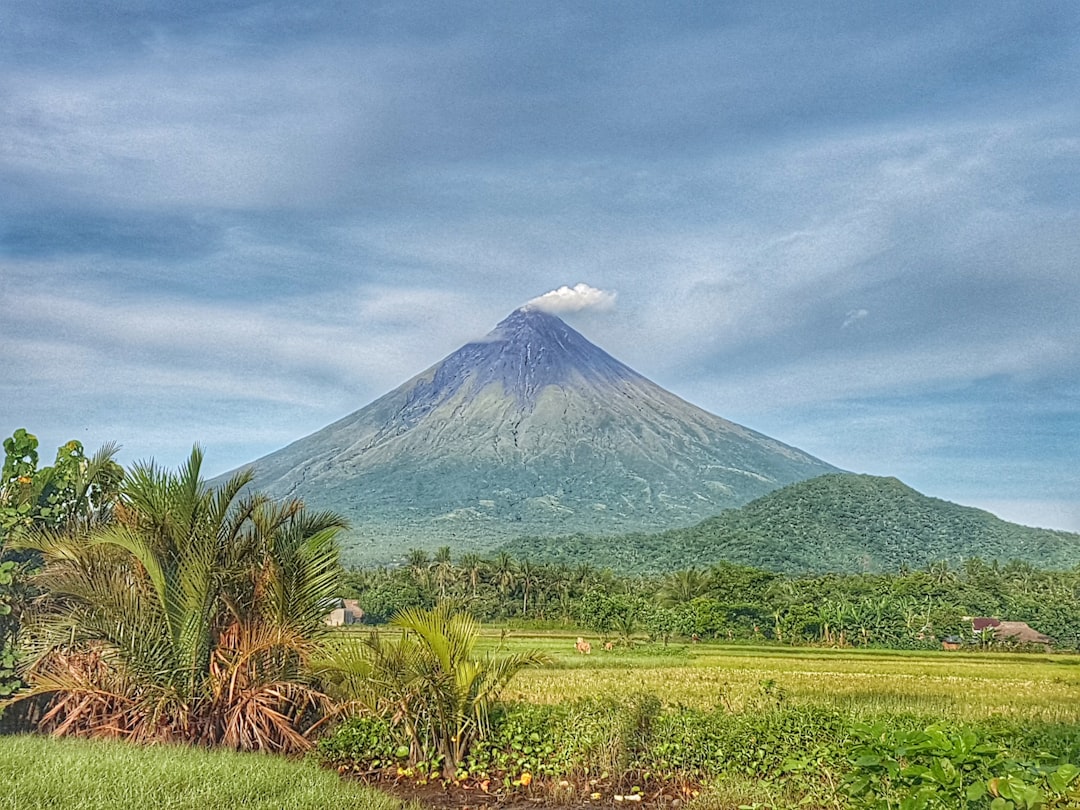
x=853, y=227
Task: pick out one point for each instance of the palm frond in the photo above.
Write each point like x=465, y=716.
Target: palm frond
x=194, y=616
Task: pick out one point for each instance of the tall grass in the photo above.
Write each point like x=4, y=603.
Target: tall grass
x=37, y=773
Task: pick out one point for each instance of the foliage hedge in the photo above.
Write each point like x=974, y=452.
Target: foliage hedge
x=632, y=744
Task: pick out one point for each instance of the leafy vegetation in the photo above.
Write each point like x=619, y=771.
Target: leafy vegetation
x=187, y=614
x=427, y=682
x=8, y=681
x=69, y=495
x=943, y=768
x=610, y=745
x=833, y=523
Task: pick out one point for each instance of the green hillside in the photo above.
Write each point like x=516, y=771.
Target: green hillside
x=837, y=522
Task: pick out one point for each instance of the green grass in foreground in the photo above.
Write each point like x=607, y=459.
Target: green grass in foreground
x=41, y=772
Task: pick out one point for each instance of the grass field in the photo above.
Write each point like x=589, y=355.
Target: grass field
x=37, y=773
x=775, y=727
x=949, y=685
x=1022, y=690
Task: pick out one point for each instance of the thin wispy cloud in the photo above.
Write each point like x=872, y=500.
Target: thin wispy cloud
x=853, y=317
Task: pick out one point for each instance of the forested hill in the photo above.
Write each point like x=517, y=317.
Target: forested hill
x=838, y=522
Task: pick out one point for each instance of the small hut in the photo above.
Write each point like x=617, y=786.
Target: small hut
x=1010, y=632
x=343, y=611
x=1020, y=633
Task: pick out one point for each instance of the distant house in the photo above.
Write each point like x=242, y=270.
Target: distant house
x=343, y=611
x=952, y=643
x=1009, y=632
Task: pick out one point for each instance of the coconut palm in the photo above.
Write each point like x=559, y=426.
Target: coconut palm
x=473, y=567
x=941, y=574
x=682, y=587
x=420, y=565
x=528, y=577
x=443, y=570
x=504, y=573
x=191, y=617
x=584, y=576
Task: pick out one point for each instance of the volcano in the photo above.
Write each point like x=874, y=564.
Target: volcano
x=532, y=430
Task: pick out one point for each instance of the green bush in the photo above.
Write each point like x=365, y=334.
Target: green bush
x=802, y=753
x=1050, y=743
x=366, y=742
x=587, y=738
x=771, y=742
x=623, y=740
x=945, y=768
x=8, y=681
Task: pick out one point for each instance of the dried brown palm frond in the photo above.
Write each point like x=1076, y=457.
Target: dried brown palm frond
x=258, y=698
x=269, y=717
x=90, y=698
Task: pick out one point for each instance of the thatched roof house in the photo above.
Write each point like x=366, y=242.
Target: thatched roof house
x=1010, y=632
x=343, y=611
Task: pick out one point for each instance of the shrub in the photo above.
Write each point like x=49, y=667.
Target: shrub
x=946, y=768
x=624, y=741
x=190, y=617
x=428, y=682
x=362, y=743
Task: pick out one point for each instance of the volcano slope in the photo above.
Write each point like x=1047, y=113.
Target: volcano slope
x=532, y=430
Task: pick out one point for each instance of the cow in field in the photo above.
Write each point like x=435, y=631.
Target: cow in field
x=583, y=647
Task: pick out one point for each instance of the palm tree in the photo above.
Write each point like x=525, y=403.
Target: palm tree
x=504, y=571
x=527, y=579
x=191, y=617
x=420, y=565
x=584, y=575
x=428, y=680
x=443, y=568
x=473, y=566
x=682, y=587
x=940, y=573
x=562, y=584
x=626, y=625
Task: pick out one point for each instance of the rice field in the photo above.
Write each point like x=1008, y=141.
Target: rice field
x=950, y=686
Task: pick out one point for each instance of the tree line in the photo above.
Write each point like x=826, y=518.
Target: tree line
x=906, y=609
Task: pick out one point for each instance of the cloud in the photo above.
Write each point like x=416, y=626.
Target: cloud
x=573, y=299
x=853, y=316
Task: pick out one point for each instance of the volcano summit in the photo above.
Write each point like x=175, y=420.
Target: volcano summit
x=531, y=430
